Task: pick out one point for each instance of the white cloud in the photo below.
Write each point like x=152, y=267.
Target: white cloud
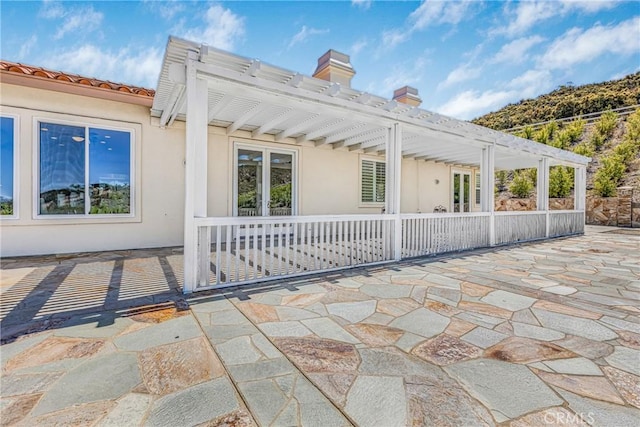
x=439, y=12
x=51, y=10
x=399, y=76
x=532, y=83
x=357, y=47
x=83, y=20
x=516, y=51
x=222, y=28
x=589, y=6
x=427, y=14
x=529, y=13
x=127, y=65
x=76, y=20
x=304, y=34
x=26, y=47
x=472, y=103
x=363, y=4
x=462, y=73
x=580, y=46
x=165, y=8
x=392, y=38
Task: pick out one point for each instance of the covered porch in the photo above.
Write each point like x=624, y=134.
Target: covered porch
x=208, y=88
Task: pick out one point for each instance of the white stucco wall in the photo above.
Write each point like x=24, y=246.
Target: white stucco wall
x=159, y=179
x=328, y=180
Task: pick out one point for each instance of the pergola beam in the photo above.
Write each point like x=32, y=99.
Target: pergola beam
x=273, y=123
x=246, y=117
x=309, y=122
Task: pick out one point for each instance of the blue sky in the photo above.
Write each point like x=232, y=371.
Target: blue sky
x=465, y=57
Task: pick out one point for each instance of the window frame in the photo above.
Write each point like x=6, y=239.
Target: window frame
x=374, y=160
x=462, y=173
x=87, y=216
x=16, y=167
x=266, y=170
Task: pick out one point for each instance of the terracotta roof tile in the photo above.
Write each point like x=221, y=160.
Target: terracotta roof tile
x=73, y=78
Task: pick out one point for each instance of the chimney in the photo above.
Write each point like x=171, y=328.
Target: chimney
x=335, y=67
x=407, y=95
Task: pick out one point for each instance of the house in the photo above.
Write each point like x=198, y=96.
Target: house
x=258, y=171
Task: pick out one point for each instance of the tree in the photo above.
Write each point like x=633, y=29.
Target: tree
x=521, y=186
x=560, y=181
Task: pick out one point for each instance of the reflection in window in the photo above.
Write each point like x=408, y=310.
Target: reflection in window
x=7, y=150
x=67, y=174
x=109, y=171
x=61, y=169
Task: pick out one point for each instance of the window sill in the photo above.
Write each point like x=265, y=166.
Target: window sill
x=78, y=220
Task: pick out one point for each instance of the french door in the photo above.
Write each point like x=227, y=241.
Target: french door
x=461, y=192
x=264, y=181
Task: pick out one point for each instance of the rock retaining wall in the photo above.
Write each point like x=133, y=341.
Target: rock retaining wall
x=621, y=211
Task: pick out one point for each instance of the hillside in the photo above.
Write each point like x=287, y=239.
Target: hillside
x=566, y=101
x=612, y=141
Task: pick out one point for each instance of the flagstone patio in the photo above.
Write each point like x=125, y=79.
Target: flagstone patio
x=543, y=333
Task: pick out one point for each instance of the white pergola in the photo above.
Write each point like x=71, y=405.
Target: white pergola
x=205, y=86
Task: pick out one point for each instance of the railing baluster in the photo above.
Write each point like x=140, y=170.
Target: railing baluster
x=255, y=251
x=287, y=248
x=247, y=250
x=294, y=247
x=218, y=255
x=237, y=262
x=227, y=252
x=315, y=245
x=263, y=250
x=340, y=244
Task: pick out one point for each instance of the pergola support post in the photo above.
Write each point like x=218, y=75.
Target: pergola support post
x=580, y=191
x=393, y=185
x=542, y=202
x=487, y=182
x=197, y=244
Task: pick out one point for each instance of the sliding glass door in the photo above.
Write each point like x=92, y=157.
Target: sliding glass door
x=264, y=181
x=461, y=192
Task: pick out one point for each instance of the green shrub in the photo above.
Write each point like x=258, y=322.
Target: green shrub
x=543, y=136
x=608, y=175
x=560, y=181
x=626, y=151
x=562, y=140
x=552, y=128
x=584, y=149
x=606, y=124
x=574, y=130
x=597, y=141
x=526, y=133
x=501, y=176
x=632, y=131
x=532, y=174
x=521, y=186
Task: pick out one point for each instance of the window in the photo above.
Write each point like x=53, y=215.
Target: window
x=477, y=188
x=84, y=170
x=372, y=178
x=8, y=193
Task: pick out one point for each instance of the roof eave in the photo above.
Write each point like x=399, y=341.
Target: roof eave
x=74, y=88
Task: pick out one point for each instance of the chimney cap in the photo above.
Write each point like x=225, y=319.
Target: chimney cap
x=335, y=67
x=407, y=95
x=335, y=58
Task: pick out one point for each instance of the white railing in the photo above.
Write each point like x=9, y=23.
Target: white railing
x=236, y=250
x=241, y=250
x=565, y=223
x=426, y=234
x=512, y=227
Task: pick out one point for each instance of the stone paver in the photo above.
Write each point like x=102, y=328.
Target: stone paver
x=495, y=384
x=513, y=336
